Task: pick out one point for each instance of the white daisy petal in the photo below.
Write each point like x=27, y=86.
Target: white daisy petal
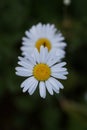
x=39, y=30
x=33, y=87
x=49, y=87
x=59, y=65
x=50, y=55
x=58, y=83
x=25, y=39
x=42, y=53
x=53, y=61
x=55, y=90
x=23, y=59
x=50, y=90
x=27, y=82
x=60, y=53
x=36, y=55
x=26, y=74
x=28, y=34
x=63, y=73
x=59, y=76
x=42, y=89
x=26, y=49
x=58, y=69
x=54, y=84
x=33, y=31
x=23, y=72
x=26, y=88
x=22, y=69
x=61, y=45
x=31, y=60
x=25, y=64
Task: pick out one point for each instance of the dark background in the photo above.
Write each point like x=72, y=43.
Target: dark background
x=64, y=111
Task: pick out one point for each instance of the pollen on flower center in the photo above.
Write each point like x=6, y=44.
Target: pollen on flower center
x=41, y=72
x=43, y=41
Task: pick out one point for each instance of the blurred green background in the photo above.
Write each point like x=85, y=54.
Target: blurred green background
x=64, y=111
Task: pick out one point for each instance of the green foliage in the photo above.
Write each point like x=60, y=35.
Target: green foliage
x=66, y=111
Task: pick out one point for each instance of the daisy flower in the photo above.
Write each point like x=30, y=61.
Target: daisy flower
x=46, y=35
x=43, y=71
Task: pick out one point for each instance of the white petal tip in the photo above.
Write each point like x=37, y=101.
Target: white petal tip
x=43, y=97
x=24, y=90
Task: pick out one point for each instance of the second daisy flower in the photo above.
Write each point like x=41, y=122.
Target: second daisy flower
x=43, y=35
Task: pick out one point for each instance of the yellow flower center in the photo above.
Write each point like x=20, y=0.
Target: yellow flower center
x=41, y=72
x=44, y=42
